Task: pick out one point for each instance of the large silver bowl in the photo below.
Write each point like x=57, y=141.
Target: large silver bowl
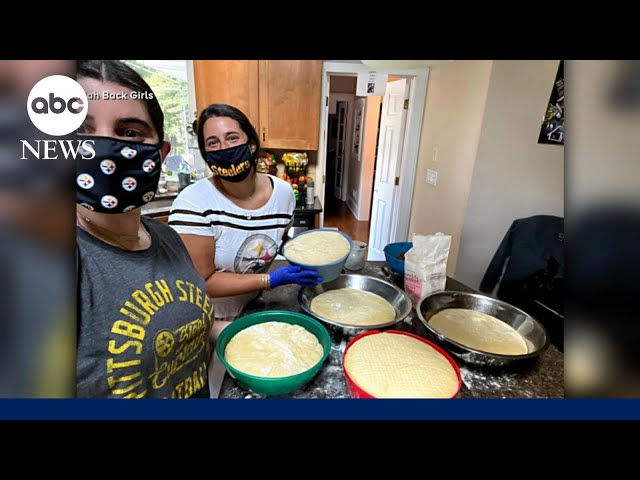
x=398, y=299
x=534, y=334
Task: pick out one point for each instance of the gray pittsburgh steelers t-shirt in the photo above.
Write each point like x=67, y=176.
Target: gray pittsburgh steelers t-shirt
x=144, y=319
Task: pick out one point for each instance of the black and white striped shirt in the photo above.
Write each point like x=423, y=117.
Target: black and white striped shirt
x=247, y=241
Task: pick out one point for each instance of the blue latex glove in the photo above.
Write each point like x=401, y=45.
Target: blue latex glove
x=294, y=274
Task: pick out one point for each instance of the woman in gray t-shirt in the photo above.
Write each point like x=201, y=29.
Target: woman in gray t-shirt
x=144, y=315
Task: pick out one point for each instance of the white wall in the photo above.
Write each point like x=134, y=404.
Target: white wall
x=514, y=176
x=453, y=115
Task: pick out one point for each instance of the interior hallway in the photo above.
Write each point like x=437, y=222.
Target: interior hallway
x=339, y=216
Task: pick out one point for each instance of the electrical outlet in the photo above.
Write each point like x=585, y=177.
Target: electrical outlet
x=432, y=177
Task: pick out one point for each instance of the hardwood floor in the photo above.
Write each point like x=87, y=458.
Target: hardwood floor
x=339, y=216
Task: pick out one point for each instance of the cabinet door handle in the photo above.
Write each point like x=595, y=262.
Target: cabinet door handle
x=264, y=134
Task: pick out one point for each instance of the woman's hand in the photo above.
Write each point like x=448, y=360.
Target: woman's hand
x=294, y=274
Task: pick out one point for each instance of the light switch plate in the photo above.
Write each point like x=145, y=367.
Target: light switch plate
x=432, y=177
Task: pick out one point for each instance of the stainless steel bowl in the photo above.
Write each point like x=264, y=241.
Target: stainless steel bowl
x=398, y=299
x=534, y=334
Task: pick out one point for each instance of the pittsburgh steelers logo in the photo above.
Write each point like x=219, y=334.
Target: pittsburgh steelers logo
x=255, y=254
x=129, y=208
x=127, y=152
x=148, y=196
x=164, y=343
x=85, y=181
x=107, y=167
x=84, y=151
x=129, y=184
x=87, y=206
x=109, y=201
x=148, y=166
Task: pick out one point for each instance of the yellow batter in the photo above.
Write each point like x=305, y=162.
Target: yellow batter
x=389, y=365
x=479, y=331
x=317, y=248
x=273, y=349
x=350, y=306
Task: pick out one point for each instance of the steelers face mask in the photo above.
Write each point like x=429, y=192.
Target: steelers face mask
x=120, y=177
x=232, y=164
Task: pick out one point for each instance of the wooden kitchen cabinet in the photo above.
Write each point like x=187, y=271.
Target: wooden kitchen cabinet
x=280, y=97
x=290, y=103
x=234, y=82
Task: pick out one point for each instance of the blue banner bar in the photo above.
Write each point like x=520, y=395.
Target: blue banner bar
x=306, y=409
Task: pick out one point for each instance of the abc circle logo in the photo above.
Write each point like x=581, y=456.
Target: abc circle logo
x=57, y=105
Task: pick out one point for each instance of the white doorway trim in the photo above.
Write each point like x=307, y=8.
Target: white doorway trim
x=192, y=90
x=418, y=79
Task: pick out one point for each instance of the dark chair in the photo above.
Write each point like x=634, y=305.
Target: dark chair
x=529, y=270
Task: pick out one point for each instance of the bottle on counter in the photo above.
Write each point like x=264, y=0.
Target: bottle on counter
x=310, y=191
x=296, y=193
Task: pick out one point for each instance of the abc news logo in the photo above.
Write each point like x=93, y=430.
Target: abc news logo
x=57, y=106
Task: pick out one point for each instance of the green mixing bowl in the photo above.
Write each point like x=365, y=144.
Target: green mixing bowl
x=281, y=385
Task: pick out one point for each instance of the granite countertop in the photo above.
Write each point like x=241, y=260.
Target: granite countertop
x=315, y=208
x=160, y=205
x=542, y=377
x=166, y=196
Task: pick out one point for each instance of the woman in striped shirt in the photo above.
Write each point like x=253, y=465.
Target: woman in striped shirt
x=233, y=223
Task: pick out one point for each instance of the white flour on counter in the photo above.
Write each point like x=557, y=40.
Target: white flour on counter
x=334, y=385
x=333, y=382
x=478, y=381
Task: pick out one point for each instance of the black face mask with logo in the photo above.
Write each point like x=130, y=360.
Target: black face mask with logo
x=231, y=164
x=121, y=177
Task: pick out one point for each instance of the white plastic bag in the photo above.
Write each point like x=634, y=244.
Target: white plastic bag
x=425, y=265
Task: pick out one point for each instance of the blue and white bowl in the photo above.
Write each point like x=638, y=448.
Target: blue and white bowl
x=328, y=271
